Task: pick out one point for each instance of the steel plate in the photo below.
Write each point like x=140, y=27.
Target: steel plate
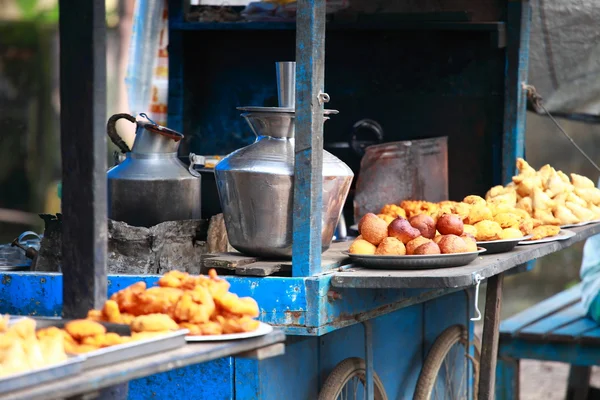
x=501, y=246
x=415, y=262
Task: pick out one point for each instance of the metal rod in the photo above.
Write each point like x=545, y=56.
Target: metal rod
x=369, y=388
x=82, y=32
x=308, y=169
x=286, y=84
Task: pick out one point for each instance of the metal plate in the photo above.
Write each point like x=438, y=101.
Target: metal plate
x=579, y=224
x=501, y=246
x=434, y=261
x=263, y=329
x=562, y=235
x=128, y=351
x=65, y=369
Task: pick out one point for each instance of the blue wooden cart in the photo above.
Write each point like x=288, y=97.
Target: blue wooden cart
x=440, y=68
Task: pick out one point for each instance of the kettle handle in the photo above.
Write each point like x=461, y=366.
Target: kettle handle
x=111, y=130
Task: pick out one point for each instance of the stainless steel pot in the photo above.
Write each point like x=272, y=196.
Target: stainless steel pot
x=256, y=183
x=151, y=185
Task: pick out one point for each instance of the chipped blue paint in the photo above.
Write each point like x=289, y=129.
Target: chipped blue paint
x=516, y=70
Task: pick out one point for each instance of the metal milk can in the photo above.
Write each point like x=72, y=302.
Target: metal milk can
x=256, y=183
x=151, y=185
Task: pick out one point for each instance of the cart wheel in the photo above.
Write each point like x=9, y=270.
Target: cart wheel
x=448, y=354
x=344, y=381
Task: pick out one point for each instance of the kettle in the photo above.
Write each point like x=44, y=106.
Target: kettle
x=151, y=185
x=256, y=183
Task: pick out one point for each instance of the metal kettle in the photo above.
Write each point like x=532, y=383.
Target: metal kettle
x=151, y=185
x=256, y=183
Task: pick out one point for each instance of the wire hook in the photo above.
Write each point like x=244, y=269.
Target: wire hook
x=478, y=279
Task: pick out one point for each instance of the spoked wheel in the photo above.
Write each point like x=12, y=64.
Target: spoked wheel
x=445, y=373
x=347, y=381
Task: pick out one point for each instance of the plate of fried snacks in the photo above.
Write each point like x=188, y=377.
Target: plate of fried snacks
x=501, y=246
x=562, y=234
x=26, y=359
x=201, y=304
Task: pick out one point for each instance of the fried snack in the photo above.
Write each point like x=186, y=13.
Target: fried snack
x=393, y=211
x=111, y=312
x=127, y=298
x=510, y=233
x=427, y=248
x=153, y=323
x=193, y=328
x=361, y=246
x=475, y=200
x=413, y=244
x=390, y=246
x=195, y=309
x=582, y=182
x=82, y=328
x=508, y=220
x=373, y=229
x=135, y=336
x=487, y=230
x=470, y=241
x=95, y=315
x=544, y=231
x=470, y=229
x=237, y=324
x=157, y=300
x=238, y=306
x=104, y=340
x=386, y=218
x=450, y=244
x=478, y=213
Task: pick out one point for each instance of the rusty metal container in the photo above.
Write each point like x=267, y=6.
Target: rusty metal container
x=396, y=171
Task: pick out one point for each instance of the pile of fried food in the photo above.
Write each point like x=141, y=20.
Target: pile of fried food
x=419, y=235
x=21, y=350
x=535, y=203
x=201, y=304
x=549, y=195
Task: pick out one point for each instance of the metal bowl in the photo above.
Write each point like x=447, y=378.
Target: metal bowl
x=434, y=261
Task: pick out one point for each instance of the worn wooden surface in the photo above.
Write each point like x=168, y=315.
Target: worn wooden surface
x=254, y=266
x=82, y=33
x=486, y=266
x=489, y=340
x=99, y=378
x=308, y=167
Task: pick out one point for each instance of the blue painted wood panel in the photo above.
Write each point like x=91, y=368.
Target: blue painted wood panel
x=554, y=321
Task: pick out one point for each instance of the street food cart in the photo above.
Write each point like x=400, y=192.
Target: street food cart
x=452, y=69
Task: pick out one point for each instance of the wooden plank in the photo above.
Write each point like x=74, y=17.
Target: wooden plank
x=308, y=169
x=228, y=261
x=507, y=379
x=82, y=33
x=486, y=266
x=541, y=310
x=262, y=268
x=545, y=326
x=579, y=382
x=573, y=330
x=99, y=378
x=489, y=340
x=263, y=353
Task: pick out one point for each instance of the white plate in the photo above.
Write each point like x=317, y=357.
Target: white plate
x=262, y=330
x=562, y=235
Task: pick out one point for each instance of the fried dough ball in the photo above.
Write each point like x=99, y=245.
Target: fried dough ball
x=470, y=241
x=427, y=248
x=470, y=229
x=437, y=239
x=413, y=244
x=479, y=213
x=487, y=230
x=526, y=226
x=508, y=220
x=95, y=315
x=153, y=323
x=82, y=328
x=450, y=224
x=450, y=244
x=510, y=233
x=361, y=246
x=373, y=229
x=390, y=246
x=393, y=211
x=475, y=200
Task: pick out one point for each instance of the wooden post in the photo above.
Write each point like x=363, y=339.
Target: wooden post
x=82, y=31
x=308, y=170
x=489, y=341
x=515, y=100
